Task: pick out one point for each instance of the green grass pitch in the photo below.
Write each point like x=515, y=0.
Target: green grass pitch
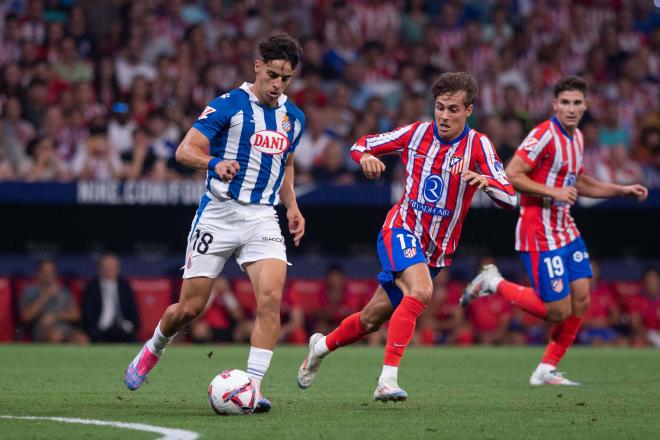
x=472, y=393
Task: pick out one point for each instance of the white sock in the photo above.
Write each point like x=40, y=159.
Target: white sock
x=389, y=374
x=258, y=363
x=493, y=282
x=321, y=348
x=159, y=341
x=545, y=368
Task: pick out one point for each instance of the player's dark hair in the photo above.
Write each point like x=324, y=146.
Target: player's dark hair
x=280, y=46
x=453, y=82
x=572, y=82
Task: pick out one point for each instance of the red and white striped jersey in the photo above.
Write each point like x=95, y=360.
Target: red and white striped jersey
x=545, y=224
x=435, y=198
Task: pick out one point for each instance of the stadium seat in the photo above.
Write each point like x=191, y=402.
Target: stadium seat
x=77, y=287
x=244, y=293
x=152, y=296
x=6, y=311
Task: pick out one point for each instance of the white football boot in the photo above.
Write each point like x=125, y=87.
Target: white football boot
x=311, y=364
x=389, y=392
x=545, y=376
x=481, y=285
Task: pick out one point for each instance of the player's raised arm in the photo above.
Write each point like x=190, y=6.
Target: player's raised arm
x=497, y=185
x=367, y=147
x=590, y=187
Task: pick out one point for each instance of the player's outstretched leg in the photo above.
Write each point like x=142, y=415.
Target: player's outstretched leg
x=194, y=295
x=415, y=282
x=352, y=329
x=490, y=281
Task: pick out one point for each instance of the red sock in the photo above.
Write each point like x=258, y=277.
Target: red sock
x=402, y=327
x=523, y=297
x=350, y=330
x=562, y=336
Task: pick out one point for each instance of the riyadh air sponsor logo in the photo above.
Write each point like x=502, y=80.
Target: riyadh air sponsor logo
x=433, y=188
x=429, y=209
x=270, y=142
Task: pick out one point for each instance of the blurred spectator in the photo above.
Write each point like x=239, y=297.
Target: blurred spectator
x=443, y=321
x=70, y=68
x=96, y=159
x=312, y=145
x=49, y=310
x=610, y=133
x=45, y=165
x=223, y=320
x=109, y=309
x=332, y=167
x=651, y=308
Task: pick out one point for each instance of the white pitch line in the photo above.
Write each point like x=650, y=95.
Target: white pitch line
x=168, y=433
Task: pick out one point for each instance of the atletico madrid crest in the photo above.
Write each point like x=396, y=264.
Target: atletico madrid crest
x=409, y=252
x=557, y=285
x=456, y=165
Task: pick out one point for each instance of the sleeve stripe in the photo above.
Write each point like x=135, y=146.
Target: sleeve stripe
x=540, y=145
x=387, y=137
x=488, y=155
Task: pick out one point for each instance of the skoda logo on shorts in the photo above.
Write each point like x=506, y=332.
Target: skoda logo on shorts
x=433, y=188
x=578, y=256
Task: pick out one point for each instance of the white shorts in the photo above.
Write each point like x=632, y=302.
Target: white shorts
x=222, y=228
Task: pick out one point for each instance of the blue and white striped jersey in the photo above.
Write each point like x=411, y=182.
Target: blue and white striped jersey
x=259, y=137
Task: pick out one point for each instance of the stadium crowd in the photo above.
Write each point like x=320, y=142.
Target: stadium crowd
x=109, y=308
x=105, y=89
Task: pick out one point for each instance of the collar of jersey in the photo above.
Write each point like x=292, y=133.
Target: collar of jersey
x=253, y=98
x=453, y=141
x=561, y=127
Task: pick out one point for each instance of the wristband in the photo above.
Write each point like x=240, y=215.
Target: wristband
x=212, y=163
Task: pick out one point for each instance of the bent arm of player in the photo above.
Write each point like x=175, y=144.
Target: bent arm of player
x=288, y=197
x=590, y=187
x=517, y=171
x=365, y=150
x=493, y=180
x=193, y=153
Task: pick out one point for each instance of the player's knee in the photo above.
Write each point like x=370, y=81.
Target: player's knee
x=269, y=301
x=422, y=293
x=558, y=315
x=370, y=323
x=581, y=306
x=189, y=311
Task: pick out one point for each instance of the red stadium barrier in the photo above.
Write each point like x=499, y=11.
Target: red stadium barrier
x=152, y=296
x=6, y=311
x=358, y=293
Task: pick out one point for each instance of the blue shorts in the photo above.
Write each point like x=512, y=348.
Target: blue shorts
x=551, y=272
x=398, y=249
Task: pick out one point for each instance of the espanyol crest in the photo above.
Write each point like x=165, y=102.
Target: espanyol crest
x=270, y=142
x=433, y=188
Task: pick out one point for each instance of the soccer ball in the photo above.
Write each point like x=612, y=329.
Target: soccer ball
x=233, y=392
